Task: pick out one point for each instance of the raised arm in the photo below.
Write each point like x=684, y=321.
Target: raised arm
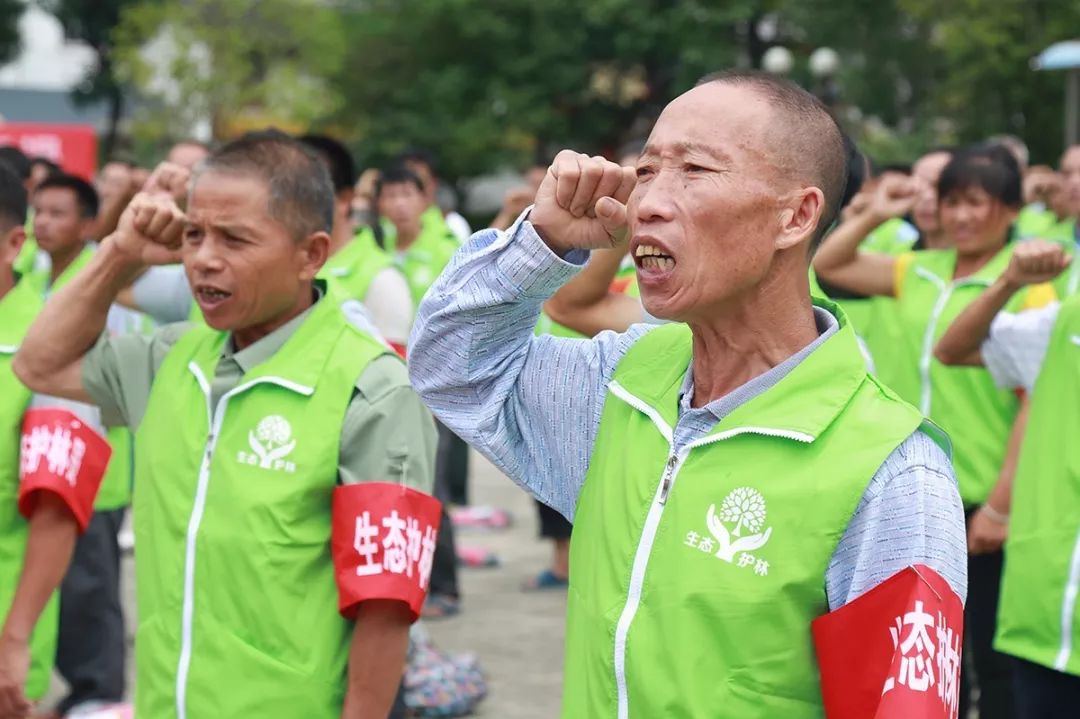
x=840, y=263
x=50, y=358
x=531, y=404
x=586, y=303
x=1033, y=262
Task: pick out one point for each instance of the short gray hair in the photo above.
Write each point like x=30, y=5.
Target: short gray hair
x=301, y=193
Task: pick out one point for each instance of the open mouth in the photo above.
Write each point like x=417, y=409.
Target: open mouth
x=651, y=257
x=210, y=297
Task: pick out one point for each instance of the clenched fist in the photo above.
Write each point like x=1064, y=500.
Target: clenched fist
x=1036, y=261
x=581, y=204
x=171, y=180
x=150, y=230
x=894, y=197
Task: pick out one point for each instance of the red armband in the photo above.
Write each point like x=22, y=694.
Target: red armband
x=894, y=652
x=399, y=348
x=383, y=544
x=62, y=455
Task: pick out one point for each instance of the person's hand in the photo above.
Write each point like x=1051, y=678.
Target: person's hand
x=1035, y=261
x=516, y=200
x=894, y=197
x=1040, y=184
x=858, y=205
x=171, y=180
x=986, y=534
x=581, y=204
x=14, y=667
x=150, y=230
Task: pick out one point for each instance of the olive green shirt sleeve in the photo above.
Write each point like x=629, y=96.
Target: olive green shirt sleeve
x=388, y=434
x=117, y=372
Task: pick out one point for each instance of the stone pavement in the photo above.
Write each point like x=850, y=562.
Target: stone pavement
x=518, y=636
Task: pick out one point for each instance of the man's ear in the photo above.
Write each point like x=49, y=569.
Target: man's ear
x=314, y=251
x=799, y=217
x=11, y=243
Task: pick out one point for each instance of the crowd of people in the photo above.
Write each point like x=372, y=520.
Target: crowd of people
x=865, y=368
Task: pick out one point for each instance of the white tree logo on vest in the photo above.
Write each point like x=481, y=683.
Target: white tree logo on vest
x=271, y=442
x=744, y=509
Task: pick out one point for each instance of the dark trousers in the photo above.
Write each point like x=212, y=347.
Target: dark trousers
x=985, y=668
x=1043, y=693
x=91, y=650
x=444, y=579
x=552, y=524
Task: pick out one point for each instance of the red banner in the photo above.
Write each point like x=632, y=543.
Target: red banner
x=73, y=147
x=893, y=653
x=62, y=455
x=383, y=544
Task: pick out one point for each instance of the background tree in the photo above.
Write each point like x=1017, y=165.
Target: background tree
x=93, y=22
x=229, y=64
x=10, y=12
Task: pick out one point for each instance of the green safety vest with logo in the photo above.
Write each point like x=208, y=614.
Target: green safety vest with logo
x=874, y=318
x=698, y=572
x=424, y=259
x=1038, y=619
x=355, y=265
x=962, y=400
x=18, y=308
x=115, y=490
x=235, y=583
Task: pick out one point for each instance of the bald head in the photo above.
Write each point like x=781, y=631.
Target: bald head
x=802, y=139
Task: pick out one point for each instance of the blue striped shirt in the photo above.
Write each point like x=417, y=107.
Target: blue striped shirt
x=532, y=405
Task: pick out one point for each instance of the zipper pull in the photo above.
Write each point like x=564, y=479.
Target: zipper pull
x=669, y=472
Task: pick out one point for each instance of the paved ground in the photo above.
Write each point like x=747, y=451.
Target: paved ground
x=518, y=636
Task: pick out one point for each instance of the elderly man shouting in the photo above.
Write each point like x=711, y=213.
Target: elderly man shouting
x=730, y=477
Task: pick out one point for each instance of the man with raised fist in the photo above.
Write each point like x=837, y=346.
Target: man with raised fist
x=732, y=475
x=283, y=524
x=1037, y=351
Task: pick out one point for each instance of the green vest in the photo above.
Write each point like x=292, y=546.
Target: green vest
x=18, y=308
x=962, y=400
x=235, y=583
x=1038, y=619
x=1036, y=221
x=874, y=318
x=355, y=265
x=698, y=572
x=115, y=490
x=424, y=259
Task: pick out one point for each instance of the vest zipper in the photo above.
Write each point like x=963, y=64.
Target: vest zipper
x=927, y=357
x=215, y=418
x=665, y=483
x=1068, y=608
x=652, y=523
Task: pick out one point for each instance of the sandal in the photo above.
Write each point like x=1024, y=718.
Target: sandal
x=440, y=606
x=546, y=580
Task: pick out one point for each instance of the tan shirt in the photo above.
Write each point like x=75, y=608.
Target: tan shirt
x=387, y=435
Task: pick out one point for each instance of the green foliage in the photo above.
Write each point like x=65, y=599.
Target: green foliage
x=10, y=12
x=236, y=63
x=484, y=81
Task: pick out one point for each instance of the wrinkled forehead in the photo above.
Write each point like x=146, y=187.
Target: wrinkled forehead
x=215, y=194
x=731, y=122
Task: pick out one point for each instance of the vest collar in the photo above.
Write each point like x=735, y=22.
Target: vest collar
x=941, y=272
x=801, y=406
x=301, y=358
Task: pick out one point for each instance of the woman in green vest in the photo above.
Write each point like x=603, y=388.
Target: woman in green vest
x=1038, y=352
x=979, y=195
